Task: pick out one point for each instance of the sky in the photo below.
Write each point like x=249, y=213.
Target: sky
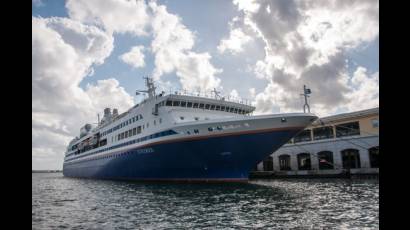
x=91, y=54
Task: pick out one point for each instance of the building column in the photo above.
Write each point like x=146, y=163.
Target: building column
x=314, y=162
x=260, y=166
x=276, y=166
x=293, y=162
x=364, y=158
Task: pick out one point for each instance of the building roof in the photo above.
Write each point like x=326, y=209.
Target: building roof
x=345, y=116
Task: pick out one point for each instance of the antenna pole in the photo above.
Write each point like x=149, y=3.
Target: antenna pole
x=306, y=93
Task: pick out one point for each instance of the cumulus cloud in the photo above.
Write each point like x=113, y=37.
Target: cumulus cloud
x=235, y=42
x=119, y=16
x=135, y=57
x=64, y=52
x=172, y=47
x=305, y=42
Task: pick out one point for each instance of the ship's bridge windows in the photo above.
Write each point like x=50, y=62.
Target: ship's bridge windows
x=212, y=107
x=169, y=103
x=218, y=108
x=175, y=103
x=201, y=105
x=189, y=104
x=195, y=105
x=183, y=103
x=231, y=110
x=207, y=106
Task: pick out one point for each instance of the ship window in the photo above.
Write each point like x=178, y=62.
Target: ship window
x=217, y=107
x=196, y=131
x=210, y=129
x=227, y=109
x=141, y=116
x=196, y=118
x=183, y=103
x=119, y=136
x=169, y=103
x=212, y=107
x=147, y=125
x=182, y=118
x=189, y=104
x=231, y=110
x=218, y=127
x=160, y=120
x=126, y=123
x=240, y=111
x=222, y=108
x=143, y=126
x=126, y=134
x=122, y=135
x=130, y=132
x=175, y=103
x=201, y=106
x=195, y=105
x=129, y=121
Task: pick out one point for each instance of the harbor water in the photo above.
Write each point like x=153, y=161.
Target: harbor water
x=66, y=203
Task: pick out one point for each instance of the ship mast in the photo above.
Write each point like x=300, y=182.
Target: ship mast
x=149, y=83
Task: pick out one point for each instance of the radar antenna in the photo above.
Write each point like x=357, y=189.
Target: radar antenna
x=306, y=93
x=216, y=93
x=149, y=83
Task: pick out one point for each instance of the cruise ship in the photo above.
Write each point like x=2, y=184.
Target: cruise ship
x=179, y=137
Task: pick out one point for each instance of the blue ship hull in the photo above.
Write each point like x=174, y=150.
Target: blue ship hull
x=212, y=158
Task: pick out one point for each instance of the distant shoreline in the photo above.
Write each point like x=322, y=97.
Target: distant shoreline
x=45, y=171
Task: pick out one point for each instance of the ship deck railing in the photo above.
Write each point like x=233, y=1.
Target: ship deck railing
x=206, y=94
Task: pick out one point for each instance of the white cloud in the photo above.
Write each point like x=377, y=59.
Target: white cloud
x=63, y=53
x=365, y=93
x=305, y=42
x=234, y=94
x=135, y=57
x=237, y=39
x=119, y=16
x=172, y=47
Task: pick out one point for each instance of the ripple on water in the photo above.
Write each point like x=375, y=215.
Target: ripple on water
x=60, y=202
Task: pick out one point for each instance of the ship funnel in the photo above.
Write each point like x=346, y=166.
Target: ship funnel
x=107, y=112
x=115, y=112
